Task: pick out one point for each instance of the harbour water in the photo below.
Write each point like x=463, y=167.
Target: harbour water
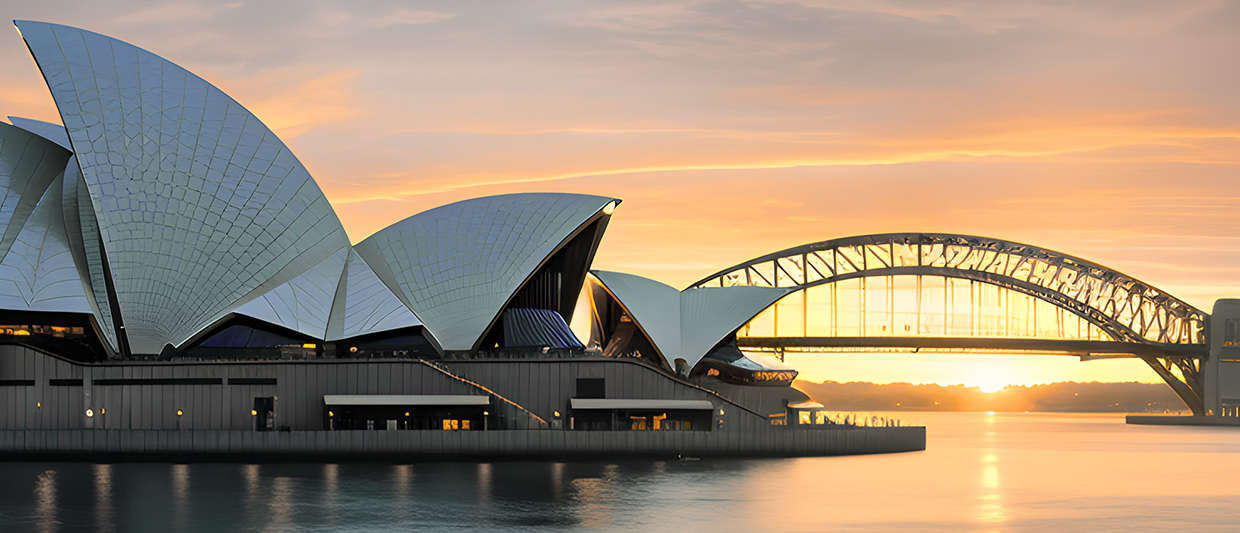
x=980, y=472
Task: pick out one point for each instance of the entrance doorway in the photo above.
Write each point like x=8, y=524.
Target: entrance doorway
x=264, y=413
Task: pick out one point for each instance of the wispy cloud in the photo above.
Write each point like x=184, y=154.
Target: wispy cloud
x=175, y=11
x=1109, y=130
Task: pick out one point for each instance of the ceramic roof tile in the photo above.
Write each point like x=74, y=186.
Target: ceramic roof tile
x=138, y=122
x=686, y=324
x=458, y=264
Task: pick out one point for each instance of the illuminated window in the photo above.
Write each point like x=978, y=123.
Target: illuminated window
x=820, y=417
x=637, y=423
x=464, y=424
x=451, y=424
x=1231, y=332
x=804, y=418
x=659, y=422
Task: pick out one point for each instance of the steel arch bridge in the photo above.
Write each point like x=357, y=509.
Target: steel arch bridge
x=1134, y=318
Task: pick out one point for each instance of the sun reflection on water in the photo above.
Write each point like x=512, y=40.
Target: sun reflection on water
x=990, y=509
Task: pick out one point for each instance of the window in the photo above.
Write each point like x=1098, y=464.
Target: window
x=637, y=423
x=1231, y=332
x=804, y=417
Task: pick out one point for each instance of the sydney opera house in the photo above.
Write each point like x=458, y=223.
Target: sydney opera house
x=173, y=281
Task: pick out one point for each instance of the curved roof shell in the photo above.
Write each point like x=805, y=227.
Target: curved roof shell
x=37, y=271
x=686, y=324
x=368, y=306
x=708, y=315
x=48, y=130
x=458, y=265
x=654, y=306
x=29, y=164
x=200, y=207
x=82, y=228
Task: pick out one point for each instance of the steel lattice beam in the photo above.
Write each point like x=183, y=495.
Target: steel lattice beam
x=1124, y=307
x=1170, y=333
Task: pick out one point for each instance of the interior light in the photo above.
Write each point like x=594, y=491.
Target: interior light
x=90, y=413
x=609, y=208
x=353, y=349
x=308, y=346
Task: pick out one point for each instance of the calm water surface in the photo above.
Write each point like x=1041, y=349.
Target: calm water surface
x=1008, y=472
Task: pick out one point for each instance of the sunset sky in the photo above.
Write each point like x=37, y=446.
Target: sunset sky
x=1106, y=130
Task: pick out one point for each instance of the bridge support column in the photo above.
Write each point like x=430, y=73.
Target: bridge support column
x=1220, y=372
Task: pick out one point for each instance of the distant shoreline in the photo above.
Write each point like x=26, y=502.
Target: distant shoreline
x=1063, y=397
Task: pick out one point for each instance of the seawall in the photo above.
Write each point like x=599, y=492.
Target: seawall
x=415, y=446
x=1180, y=420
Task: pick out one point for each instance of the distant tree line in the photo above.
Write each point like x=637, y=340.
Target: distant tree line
x=1066, y=397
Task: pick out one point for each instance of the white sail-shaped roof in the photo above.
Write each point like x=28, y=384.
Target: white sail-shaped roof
x=302, y=304
x=654, y=306
x=83, y=231
x=686, y=324
x=369, y=306
x=199, y=206
x=457, y=265
x=28, y=166
x=48, y=130
x=708, y=315
x=38, y=272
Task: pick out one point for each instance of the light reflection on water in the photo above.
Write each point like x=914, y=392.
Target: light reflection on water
x=180, y=497
x=45, y=501
x=980, y=473
x=104, y=519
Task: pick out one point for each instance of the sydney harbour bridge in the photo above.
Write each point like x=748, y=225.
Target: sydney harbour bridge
x=959, y=293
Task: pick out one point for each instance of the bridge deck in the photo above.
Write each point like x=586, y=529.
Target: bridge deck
x=1082, y=348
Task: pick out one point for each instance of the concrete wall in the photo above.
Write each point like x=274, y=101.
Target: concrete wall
x=151, y=445
x=299, y=387
x=138, y=421
x=545, y=386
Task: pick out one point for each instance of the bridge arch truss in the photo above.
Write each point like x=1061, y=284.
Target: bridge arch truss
x=1165, y=332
